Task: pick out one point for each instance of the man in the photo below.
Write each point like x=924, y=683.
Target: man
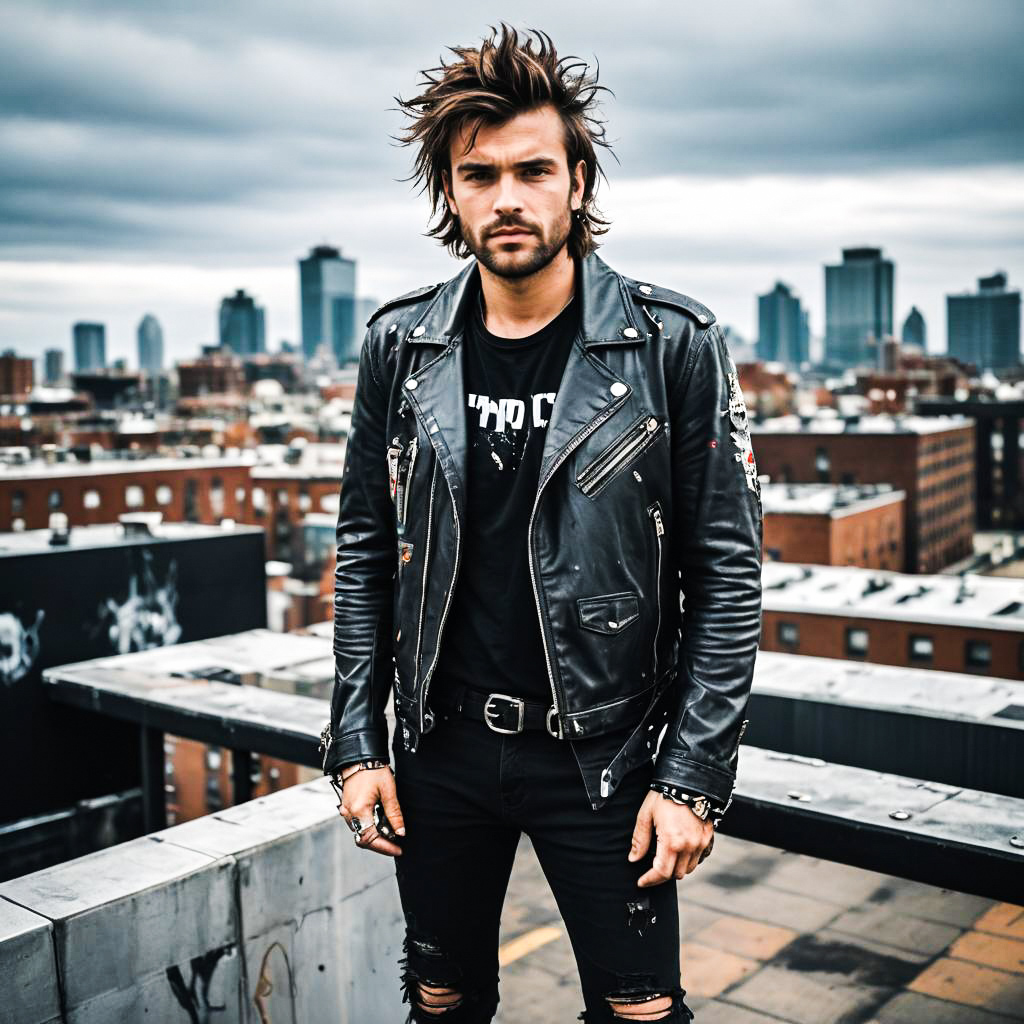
x=544, y=457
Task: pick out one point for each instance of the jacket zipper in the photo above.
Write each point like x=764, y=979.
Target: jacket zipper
x=423, y=588
x=566, y=452
x=447, y=603
x=654, y=511
x=406, y=481
x=592, y=478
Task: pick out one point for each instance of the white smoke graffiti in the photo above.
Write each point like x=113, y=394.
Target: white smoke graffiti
x=19, y=646
x=148, y=616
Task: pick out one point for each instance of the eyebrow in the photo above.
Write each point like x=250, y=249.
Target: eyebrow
x=539, y=161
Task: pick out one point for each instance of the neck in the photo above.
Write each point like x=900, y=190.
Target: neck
x=518, y=307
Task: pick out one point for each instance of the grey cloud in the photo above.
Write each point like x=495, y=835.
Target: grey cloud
x=116, y=113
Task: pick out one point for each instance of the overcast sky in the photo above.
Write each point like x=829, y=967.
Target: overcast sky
x=156, y=156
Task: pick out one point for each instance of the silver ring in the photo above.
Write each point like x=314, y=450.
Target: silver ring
x=356, y=825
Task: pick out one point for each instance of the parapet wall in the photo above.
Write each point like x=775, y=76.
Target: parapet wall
x=264, y=912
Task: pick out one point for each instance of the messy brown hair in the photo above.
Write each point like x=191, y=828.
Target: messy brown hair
x=490, y=85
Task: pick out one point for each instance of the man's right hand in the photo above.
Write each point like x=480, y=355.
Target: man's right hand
x=362, y=790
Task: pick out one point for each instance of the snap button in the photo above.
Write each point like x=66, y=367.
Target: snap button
x=411, y=383
x=612, y=624
x=702, y=318
x=392, y=328
x=652, y=423
x=618, y=388
x=631, y=332
x=646, y=289
x=419, y=330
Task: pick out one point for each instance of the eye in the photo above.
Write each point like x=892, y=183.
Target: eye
x=539, y=170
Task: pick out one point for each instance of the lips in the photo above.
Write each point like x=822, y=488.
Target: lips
x=518, y=232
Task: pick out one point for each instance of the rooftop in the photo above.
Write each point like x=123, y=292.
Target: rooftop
x=986, y=602
x=105, y=535
x=822, y=423
x=826, y=499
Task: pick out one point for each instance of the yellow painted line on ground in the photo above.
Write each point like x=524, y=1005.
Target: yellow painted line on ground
x=528, y=942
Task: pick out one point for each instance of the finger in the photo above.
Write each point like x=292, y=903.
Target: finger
x=662, y=869
x=374, y=841
x=392, y=809
x=641, y=840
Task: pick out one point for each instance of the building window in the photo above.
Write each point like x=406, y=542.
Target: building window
x=133, y=496
x=54, y=500
x=164, y=495
x=191, y=501
x=920, y=648
x=217, y=497
x=259, y=500
x=823, y=465
x=17, y=503
x=240, y=495
x=213, y=759
x=91, y=498
x=282, y=496
x=856, y=641
x=788, y=634
x=978, y=654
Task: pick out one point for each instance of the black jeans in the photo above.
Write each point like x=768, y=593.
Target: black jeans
x=466, y=795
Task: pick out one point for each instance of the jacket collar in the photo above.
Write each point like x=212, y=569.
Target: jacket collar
x=590, y=390
x=607, y=317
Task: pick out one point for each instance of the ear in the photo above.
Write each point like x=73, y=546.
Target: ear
x=447, y=186
x=579, y=181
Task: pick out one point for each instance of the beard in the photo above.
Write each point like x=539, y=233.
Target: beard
x=520, y=264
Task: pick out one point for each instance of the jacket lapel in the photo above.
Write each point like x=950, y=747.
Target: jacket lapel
x=588, y=390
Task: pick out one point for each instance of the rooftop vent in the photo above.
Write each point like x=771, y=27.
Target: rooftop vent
x=140, y=524
x=60, y=532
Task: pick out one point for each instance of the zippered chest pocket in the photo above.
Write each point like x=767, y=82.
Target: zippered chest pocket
x=401, y=460
x=623, y=451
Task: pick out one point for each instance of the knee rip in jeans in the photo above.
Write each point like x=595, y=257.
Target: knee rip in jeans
x=431, y=984
x=638, y=998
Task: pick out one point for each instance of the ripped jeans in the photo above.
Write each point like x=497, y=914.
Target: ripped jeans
x=466, y=795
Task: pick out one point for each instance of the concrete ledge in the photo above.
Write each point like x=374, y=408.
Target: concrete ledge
x=266, y=905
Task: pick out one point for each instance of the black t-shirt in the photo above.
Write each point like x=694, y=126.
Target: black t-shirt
x=492, y=639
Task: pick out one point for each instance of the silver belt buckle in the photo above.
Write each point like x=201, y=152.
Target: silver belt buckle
x=512, y=700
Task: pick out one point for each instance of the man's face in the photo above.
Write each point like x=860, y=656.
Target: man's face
x=513, y=193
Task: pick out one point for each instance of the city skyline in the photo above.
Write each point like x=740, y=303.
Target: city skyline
x=782, y=141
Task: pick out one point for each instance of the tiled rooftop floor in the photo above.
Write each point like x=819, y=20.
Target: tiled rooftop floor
x=770, y=936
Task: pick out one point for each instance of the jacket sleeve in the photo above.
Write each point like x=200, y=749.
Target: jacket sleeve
x=717, y=538
x=363, y=582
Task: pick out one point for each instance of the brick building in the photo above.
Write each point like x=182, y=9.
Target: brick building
x=950, y=623
x=184, y=490
x=930, y=459
x=830, y=524
x=17, y=375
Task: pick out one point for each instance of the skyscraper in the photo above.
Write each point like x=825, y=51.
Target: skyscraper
x=90, y=344
x=984, y=328
x=783, y=334
x=242, y=324
x=151, y=344
x=327, y=295
x=858, y=307
x=914, y=332
x=53, y=363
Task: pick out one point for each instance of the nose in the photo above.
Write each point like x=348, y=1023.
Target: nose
x=507, y=199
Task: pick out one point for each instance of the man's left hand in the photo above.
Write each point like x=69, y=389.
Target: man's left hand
x=681, y=838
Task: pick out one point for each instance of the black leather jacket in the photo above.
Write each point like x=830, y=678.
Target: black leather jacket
x=647, y=492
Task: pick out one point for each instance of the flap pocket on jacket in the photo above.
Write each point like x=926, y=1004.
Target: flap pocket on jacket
x=609, y=613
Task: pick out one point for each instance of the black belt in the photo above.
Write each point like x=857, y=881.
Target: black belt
x=502, y=713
